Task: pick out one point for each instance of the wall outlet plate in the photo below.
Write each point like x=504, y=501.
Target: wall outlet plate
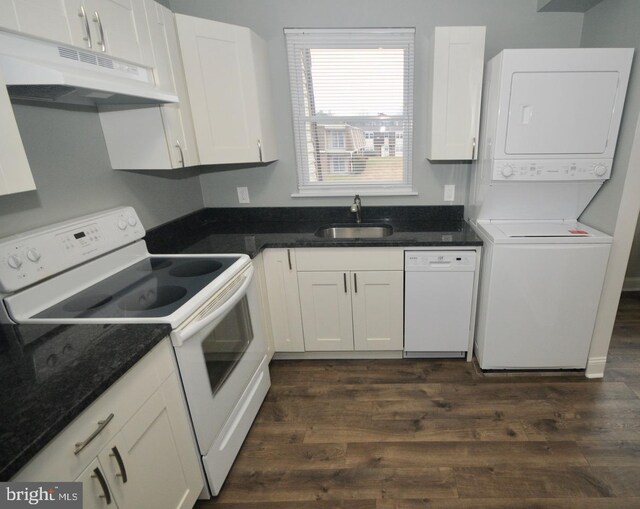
x=449, y=192
x=243, y=194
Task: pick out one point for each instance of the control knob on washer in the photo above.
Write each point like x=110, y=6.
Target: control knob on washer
x=600, y=169
x=14, y=261
x=122, y=224
x=506, y=171
x=33, y=254
x=132, y=221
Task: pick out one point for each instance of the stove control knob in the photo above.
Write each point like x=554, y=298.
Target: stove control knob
x=15, y=262
x=33, y=254
x=600, y=169
x=132, y=221
x=122, y=224
x=506, y=171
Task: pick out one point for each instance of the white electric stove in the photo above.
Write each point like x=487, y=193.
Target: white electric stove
x=96, y=269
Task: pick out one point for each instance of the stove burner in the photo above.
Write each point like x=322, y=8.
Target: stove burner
x=155, y=264
x=195, y=268
x=153, y=298
x=87, y=303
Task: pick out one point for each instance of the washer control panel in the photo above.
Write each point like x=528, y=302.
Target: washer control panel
x=32, y=256
x=551, y=169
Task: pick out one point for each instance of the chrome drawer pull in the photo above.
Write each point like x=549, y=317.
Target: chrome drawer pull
x=87, y=37
x=101, y=425
x=101, y=42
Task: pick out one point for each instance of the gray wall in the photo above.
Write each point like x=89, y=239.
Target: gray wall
x=510, y=24
x=616, y=23
x=68, y=157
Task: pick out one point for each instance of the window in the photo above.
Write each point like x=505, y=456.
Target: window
x=352, y=98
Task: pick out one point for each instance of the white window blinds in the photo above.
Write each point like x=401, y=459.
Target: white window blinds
x=352, y=98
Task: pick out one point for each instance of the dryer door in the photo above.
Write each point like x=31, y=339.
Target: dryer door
x=560, y=113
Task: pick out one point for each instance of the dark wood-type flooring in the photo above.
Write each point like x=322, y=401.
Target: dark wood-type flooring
x=408, y=434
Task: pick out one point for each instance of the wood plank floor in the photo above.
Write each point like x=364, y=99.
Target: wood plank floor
x=409, y=434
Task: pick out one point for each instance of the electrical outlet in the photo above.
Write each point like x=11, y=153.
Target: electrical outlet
x=243, y=194
x=449, y=192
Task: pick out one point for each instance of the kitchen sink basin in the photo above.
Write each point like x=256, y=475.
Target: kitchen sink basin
x=355, y=231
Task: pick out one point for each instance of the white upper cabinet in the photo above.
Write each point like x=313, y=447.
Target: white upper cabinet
x=114, y=27
x=228, y=85
x=154, y=137
x=457, y=58
x=42, y=18
x=15, y=172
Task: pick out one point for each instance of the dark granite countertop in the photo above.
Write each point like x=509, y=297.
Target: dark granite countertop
x=49, y=374
x=250, y=230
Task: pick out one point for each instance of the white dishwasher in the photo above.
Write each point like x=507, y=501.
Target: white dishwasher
x=437, y=302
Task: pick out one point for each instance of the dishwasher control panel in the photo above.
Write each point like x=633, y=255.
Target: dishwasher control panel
x=455, y=261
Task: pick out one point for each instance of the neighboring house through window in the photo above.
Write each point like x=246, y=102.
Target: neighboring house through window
x=352, y=99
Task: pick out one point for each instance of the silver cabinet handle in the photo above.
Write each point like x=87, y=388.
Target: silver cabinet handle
x=83, y=14
x=181, y=152
x=473, y=148
x=101, y=42
x=123, y=472
x=355, y=282
x=103, y=484
x=260, y=150
x=101, y=425
x=289, y=257
x=344, y=279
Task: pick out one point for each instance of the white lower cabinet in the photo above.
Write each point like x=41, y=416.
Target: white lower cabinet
x=145, y=458
x=281, y=279
x=325, y=299
x=335, y=299
x=351, y=310
x=377, y=304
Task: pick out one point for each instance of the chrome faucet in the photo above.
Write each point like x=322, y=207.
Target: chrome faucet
x=357, y=208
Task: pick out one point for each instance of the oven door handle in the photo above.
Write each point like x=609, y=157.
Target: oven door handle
x=200, y=322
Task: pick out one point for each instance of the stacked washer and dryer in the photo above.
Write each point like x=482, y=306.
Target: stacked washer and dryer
x=548, y=136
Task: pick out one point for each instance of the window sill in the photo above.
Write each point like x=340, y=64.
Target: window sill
x=350, y=192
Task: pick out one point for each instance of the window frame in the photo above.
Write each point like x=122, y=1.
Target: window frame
x=352, y=38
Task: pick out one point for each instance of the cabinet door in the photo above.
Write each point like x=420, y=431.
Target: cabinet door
x=377, y=298
x=456, y=87
x=151, y=451
x=119, y=25
x=219, y=72
x=160, y=137
x=15, y=172
x=325, y=300
x=57, y=20
x=284, y=299
x=96, y=492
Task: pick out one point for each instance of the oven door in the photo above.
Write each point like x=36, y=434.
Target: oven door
x=218, y=352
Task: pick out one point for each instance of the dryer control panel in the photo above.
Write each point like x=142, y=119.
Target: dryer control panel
x=551, y=169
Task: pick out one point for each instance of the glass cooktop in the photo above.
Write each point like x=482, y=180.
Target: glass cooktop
x=154, y=287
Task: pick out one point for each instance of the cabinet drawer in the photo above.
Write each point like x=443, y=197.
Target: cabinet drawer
x=57, y=461
x=350, y=258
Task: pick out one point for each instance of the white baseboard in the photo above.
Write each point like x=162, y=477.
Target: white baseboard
x=631, y=284
x=595, y=367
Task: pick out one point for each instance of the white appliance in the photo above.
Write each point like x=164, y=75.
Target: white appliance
x=539, y=293
x=34, y=69
x=96, y=269
x=438, y=302
x=549, y=129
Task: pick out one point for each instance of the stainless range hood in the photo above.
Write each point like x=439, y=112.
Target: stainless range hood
x=38, y=70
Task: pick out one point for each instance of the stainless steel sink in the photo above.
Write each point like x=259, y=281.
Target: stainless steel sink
x=355, y=231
